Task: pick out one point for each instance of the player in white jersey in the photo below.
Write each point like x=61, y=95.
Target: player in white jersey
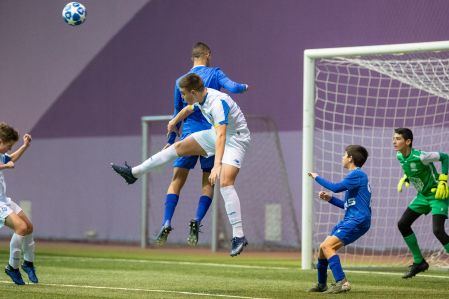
x=11, y=214
x=228, y=140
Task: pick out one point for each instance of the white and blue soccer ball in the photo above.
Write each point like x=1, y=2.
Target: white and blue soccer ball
x=74, y=13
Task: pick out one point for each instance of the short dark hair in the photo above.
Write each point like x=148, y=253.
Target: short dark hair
x=8, y=133
x=191, y=82
x=406, y=133
x=358, y=153
x=200, y=49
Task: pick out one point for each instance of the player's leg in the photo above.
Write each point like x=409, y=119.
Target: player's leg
x=233, y=157
x=439, y=216
x=180, y=174
x=186, y=147
x=28, y=249
x=232, y=205
x=405, y=228
x=321, y=267
x=204, y=201
x=329, y=248
x=20, y=229
x=439, y=231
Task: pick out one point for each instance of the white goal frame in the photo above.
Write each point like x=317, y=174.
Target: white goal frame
x=310, y=56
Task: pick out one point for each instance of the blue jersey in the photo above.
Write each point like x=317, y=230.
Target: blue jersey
x=357, y=200
x=213, y=77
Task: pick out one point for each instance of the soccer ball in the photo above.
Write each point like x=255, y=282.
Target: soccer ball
x=74, y=13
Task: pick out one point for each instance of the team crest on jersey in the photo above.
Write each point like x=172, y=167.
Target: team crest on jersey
x=413, y=166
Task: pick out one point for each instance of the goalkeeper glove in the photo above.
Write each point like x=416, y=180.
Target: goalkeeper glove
x=403, y=180
x=442, y=190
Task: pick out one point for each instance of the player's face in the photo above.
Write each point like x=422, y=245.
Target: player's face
x=399, y=143
x=346, y=160
x=6, y=146
x=188, y=96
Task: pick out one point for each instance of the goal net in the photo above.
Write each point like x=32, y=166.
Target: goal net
x=270, y=219
x=361, y=99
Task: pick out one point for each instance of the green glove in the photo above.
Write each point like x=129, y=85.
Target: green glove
x=442, y=191
x=403, y=180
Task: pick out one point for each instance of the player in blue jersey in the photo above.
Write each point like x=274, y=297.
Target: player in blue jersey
x=228, y=139
x=215, y=78
x=11, y=214
x=356, y=222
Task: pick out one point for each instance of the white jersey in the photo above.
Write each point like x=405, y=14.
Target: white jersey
x=3, y=160
x=218, y=108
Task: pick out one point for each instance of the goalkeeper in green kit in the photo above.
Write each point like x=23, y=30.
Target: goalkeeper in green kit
x=432, y=196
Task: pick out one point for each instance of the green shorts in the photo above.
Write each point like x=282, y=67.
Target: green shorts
x=424, y=204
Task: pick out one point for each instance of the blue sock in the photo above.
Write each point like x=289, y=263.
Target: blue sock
x=337, y=270
x=203, y=205
x=171, y=200
x=321, y=266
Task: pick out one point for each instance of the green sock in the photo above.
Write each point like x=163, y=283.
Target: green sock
x=446, y=247
x=412, y=244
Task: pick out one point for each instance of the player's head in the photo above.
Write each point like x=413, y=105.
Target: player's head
x=8, y=137
x=191, y=87
x=355, y=154
x=201, y=52
x=402, y=139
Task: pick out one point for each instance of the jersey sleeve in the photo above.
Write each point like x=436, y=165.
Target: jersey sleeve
x=429, y=157
x=5, y=158
x=337, y=202
x=334, y=187
x=228, y=84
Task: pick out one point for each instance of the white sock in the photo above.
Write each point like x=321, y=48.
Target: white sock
x=28, y=248
x=15, y=250
x=163, y=157
x=232, y=205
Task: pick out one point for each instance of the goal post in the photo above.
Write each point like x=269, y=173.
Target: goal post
x=355, y=94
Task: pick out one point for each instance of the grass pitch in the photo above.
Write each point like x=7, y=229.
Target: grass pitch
x=67, y=270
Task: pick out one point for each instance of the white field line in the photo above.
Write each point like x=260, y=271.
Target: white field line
x=138, y=290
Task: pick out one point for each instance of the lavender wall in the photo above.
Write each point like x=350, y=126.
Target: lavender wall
x=92, y=83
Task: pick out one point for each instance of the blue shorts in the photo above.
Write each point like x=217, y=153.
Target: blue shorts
x=350, y=230
x=189, y=162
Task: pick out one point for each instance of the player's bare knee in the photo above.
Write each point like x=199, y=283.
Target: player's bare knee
x=21, y=228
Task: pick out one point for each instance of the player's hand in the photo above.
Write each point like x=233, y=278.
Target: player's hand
x=214, y=174
x=312, y=174
x=10, y=164
x=27, y=139
x=171, y=127
x=402, y=181
x=325, y=195
x=442, y=191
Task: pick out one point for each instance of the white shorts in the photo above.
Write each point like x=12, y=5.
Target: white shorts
x=235, y=146
x=6, y=208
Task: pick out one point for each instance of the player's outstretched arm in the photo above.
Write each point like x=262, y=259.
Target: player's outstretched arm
x=19, y=152
x=230, y=85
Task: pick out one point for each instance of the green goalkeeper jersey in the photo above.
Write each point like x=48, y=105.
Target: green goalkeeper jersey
x=420, y=170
